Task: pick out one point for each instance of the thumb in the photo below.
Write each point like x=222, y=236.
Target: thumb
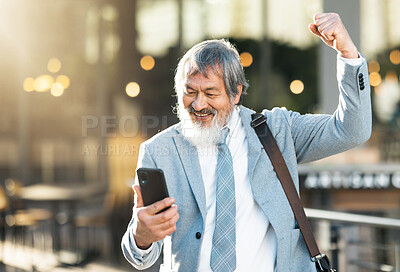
x=138, y=196
x=313, y=29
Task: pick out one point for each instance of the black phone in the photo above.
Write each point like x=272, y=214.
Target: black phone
x=153, y=186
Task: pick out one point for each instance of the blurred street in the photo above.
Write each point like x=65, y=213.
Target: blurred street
x=20, y=258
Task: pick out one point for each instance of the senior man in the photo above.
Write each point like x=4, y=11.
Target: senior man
x=229, y=211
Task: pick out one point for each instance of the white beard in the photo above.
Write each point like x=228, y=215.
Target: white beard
x=197, y=134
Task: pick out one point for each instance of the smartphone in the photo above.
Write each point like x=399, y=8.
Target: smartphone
x=153, y=186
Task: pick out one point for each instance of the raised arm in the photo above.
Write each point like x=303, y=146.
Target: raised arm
x=319, y=136
x=329, y=27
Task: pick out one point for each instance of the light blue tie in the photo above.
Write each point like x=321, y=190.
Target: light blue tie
x=223, y=252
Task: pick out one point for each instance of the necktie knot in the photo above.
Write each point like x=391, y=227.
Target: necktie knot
x=224, y=135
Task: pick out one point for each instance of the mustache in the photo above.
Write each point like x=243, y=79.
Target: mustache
x=203, y=111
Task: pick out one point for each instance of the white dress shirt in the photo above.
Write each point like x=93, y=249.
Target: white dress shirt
x=255, y=240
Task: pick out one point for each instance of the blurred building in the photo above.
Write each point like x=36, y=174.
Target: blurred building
x=83, y=83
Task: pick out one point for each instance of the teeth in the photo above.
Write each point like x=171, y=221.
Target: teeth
x=201, y=114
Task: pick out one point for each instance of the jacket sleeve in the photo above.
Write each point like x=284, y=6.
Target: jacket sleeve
x=319, y=136
x=140, y=259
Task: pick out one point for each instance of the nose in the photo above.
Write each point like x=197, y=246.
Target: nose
x=200, y=102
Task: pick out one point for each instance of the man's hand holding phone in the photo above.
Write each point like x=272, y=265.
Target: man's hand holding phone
x=153, y=226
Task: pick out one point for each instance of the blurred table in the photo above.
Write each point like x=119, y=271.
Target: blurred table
x=58, y=195
x=47, y=192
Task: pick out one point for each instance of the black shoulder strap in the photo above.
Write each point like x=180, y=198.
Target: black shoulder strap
x=268, y=141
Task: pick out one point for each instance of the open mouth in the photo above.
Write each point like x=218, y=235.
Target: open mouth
x=198, y=114
x=201, y=115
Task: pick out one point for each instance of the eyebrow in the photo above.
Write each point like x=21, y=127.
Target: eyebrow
x=213, y=88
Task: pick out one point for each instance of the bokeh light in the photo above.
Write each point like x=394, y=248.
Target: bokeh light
x=373, y=66
x=64, y=80
x=132, y=89
x=57, y=89
x=29, y=84
x=246, y=59
x=147, y=63
x=49, y=80
x=43, y=83
x=375, y=79
x=40, y=84
x=54, y=65
x=296, y=86
x=391, y=76
x=395, y=57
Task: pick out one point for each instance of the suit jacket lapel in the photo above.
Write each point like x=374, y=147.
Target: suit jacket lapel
x=266, y=187
x=191, y=166
x=254, y=146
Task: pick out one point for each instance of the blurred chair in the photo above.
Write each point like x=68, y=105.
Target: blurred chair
x=19, y=219
x=18, y=223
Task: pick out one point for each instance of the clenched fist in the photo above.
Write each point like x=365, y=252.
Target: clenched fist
x=329, y=27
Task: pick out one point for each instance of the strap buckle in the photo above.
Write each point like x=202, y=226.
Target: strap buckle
x=322, y=263
x=260, y=119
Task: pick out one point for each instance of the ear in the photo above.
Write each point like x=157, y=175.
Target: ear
x=237, y=96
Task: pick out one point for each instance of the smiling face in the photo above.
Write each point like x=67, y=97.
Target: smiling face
x=205, y=98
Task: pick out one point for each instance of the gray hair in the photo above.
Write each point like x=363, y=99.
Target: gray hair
x=218, y=55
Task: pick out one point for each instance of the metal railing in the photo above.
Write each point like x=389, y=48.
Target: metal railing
x=342, y=217
x=346, y=251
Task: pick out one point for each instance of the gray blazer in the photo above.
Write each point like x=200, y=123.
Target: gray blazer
x=301, y=138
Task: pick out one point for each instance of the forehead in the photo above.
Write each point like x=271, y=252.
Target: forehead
x=212, y=75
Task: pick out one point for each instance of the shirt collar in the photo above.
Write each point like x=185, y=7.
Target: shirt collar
x=233, y=123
